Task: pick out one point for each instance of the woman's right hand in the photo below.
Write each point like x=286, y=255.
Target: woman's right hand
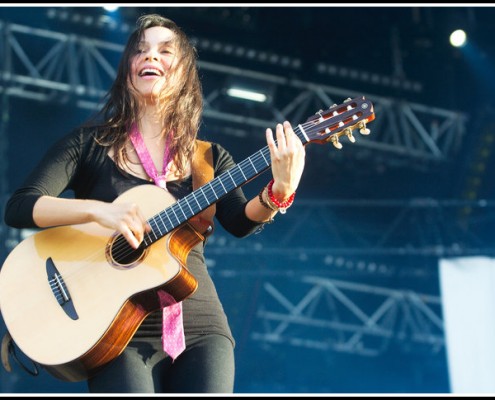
x=125, y=218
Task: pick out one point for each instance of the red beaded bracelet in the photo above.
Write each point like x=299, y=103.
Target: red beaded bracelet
x=282, y=206
x=264, y=203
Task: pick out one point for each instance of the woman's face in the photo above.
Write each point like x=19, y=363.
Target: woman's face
x=156, y=55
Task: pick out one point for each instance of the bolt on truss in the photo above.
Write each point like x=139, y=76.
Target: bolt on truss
x=48, y=66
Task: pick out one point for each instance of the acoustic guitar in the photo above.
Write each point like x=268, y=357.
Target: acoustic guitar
x=72, y=297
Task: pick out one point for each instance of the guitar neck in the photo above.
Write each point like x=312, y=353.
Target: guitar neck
x=200, y=199
x=323, y=127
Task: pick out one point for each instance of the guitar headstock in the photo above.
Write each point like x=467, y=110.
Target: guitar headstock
x=328, y=125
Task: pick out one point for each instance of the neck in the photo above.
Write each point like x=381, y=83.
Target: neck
x=150, y=127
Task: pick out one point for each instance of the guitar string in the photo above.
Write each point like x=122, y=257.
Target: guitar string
x=123, y=249
x=235, y=175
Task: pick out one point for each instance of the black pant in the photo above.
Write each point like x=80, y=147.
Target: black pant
x=205, y=366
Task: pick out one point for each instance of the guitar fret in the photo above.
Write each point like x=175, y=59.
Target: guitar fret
x=171, y=223
x=187, y=202
x=229, y=186
x=231, y=177
x=221, y=183
x=211, y=187
x=254, y=167
x=240, y=169
x=266, y=161
x=250, y=168
x=204, y=195
x=181, y=210
x=163, y=224
x=153, y=230
x=303, y=133
x=173, y=211
x=197, y=202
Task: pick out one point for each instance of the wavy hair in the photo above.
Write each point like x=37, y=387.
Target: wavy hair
x=180, y=105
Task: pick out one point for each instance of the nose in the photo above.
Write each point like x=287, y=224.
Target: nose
x=151, y=55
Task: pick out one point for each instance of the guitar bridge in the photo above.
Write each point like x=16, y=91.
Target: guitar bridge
x=59, y=289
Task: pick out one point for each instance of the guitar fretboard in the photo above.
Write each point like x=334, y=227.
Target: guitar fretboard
x=201, y=198
x=324, y=126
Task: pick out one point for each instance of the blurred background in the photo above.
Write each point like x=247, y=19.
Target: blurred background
x=343, y=293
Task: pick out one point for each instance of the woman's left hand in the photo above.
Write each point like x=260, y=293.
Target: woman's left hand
x=288, y=157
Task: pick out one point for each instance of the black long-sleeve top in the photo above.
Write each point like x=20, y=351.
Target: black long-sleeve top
x=77, y=163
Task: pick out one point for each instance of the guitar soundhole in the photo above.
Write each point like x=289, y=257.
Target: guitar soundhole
x=121, y=254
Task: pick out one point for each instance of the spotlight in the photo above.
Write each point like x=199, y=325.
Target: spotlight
x=111, y=8
x=458, y=38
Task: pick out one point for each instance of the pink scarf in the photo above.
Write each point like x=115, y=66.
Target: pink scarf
x=173, y=340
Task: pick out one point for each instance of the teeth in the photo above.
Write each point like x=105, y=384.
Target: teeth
x=150, y=71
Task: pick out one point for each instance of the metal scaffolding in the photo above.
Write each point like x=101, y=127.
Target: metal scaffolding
x=349, y=317
x=303, y=305
x=416, y=227
x=57, y=67
x=48, y=66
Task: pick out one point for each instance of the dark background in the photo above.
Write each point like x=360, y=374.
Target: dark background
x=349, y=201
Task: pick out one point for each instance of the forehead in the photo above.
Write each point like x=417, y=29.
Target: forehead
x=157, y=34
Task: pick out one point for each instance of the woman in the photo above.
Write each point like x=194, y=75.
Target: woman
x=147, y=132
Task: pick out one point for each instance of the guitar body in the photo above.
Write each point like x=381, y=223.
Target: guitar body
x=72, y=306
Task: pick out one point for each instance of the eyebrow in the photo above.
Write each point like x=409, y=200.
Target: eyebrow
x=170, y=41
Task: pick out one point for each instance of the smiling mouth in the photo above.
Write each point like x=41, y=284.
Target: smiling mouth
x=150, y=72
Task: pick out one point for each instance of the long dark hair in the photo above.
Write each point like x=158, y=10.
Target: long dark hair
x=180, y=107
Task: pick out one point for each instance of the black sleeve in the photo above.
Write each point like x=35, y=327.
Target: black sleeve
x=52, y=176
x=230, y=209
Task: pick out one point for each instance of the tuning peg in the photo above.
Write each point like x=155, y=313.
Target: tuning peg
x=348, y=133
x=363, y=130
x=335, y=142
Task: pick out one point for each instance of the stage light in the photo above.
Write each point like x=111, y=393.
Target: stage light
x=247, y=94
x=111, y=8
x=458, y=38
